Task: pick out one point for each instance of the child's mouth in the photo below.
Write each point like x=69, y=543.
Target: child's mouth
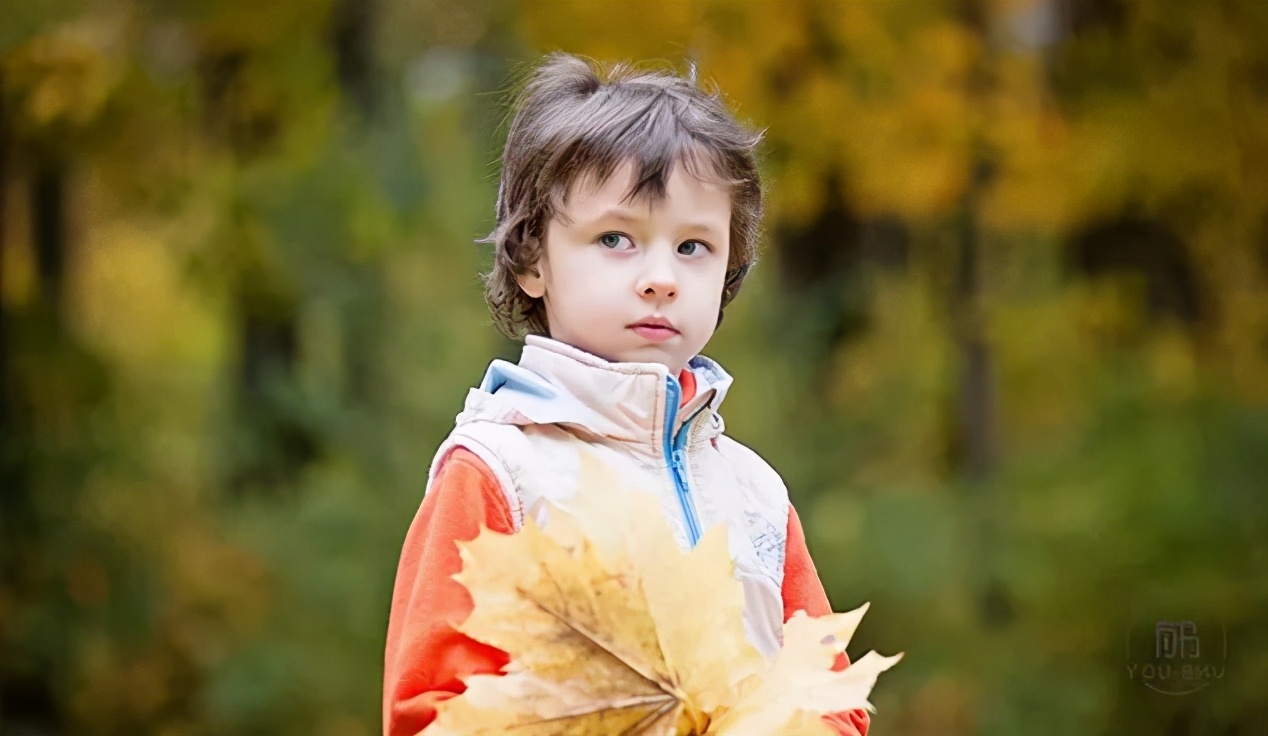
x=654, y=333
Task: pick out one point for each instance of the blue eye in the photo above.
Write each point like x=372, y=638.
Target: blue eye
x=691, y=248
x=611, y=240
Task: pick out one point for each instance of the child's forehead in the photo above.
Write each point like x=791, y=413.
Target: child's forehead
x=630, y=185
x=620, y=183
x=688, y=201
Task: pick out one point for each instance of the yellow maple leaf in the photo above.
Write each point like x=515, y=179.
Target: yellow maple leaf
x=802, y=682
x=612, y=629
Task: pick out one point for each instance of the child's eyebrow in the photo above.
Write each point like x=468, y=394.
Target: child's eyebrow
x=627, y=217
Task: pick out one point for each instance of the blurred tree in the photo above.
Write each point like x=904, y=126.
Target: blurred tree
x=1007, y=347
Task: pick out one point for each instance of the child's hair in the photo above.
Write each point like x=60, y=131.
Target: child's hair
x=571, y=120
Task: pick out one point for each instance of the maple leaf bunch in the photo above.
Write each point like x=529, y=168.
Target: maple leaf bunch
x=612, y=629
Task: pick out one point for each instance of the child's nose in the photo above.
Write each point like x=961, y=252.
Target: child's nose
x=658, y=278
x=666, y=289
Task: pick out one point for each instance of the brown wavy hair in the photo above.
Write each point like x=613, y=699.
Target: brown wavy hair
x=573, y=119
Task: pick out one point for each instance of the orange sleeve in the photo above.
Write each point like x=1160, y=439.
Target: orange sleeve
x=425, y=656
x=804, y=592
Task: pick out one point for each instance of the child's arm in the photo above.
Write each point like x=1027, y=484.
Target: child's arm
x=804, y=592
x=425, y=656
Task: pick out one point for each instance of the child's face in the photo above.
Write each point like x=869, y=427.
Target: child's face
x=616, y=267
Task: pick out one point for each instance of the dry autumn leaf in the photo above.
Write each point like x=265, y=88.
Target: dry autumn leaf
x=611, y=628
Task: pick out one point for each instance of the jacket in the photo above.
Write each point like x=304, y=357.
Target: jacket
x=518, y=438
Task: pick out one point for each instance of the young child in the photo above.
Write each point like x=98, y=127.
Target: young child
x=627, y=216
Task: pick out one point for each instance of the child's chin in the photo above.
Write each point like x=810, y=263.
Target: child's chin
x=666, y=354
x=652, y=354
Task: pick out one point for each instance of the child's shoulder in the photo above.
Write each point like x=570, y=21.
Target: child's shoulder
x=750, y=467
x=738, y=452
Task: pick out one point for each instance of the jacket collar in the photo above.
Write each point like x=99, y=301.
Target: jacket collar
x=555, y=383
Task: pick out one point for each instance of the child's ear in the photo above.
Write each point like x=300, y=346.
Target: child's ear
x=734, y=280
x=532, y=282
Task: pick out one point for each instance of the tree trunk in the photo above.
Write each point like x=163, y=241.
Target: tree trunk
x=48, y=223
x=976, y=420
x=976, y=411
x=5, y=410
x=353, y=41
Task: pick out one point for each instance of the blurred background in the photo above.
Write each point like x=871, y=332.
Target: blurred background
x=1008, y=342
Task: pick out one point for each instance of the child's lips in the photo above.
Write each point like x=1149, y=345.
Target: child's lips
x=654, y=333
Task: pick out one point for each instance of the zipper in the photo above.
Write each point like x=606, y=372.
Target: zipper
x=676, y=456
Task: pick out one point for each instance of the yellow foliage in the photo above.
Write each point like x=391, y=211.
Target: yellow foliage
x=67, y=76
x=132, y=302
x=19, y=284
x=612, y=629
x=647, y=29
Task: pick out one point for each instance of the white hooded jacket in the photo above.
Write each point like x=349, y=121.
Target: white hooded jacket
x=527, y=423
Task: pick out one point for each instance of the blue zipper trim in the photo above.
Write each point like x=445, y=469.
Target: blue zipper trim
x=676, y=456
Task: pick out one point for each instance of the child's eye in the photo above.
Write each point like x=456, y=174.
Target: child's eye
x=692, y=248
x=613, y=241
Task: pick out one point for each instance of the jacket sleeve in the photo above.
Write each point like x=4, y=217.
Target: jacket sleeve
x=804, y=592
x=425, y=656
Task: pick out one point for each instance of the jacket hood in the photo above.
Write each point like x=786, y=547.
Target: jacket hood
x=555, y=383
